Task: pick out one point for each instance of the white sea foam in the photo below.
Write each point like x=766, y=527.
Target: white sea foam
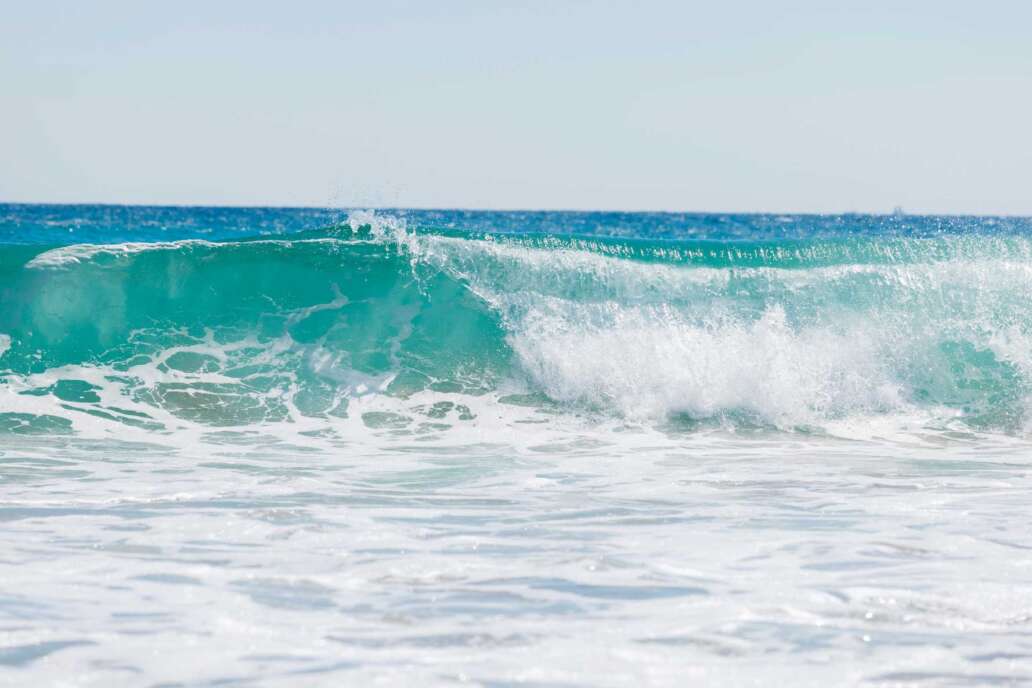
x=66, y=256
x=565, y=553
x=651, y=363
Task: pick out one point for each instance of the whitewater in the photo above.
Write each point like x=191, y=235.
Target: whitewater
x=314, y=447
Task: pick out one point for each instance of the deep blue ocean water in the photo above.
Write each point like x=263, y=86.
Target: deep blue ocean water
x=313, y=447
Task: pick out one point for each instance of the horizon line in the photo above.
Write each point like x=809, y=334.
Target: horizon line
x=234, y=206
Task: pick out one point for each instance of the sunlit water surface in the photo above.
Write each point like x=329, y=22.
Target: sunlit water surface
x=513, y=449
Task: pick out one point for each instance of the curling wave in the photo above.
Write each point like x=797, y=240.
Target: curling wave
x=789, y=334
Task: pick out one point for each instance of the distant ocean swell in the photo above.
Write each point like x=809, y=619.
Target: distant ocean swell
x=794, y=334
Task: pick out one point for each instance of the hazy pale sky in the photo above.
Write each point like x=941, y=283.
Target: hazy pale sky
x=724, y=106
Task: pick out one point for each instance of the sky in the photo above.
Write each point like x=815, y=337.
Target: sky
x=734, y=106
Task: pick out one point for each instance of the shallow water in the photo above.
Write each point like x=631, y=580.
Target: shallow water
x=611, y=475
x=590, y=558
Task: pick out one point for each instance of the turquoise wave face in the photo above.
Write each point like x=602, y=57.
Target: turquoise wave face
x=246, y=332
x=791, y=333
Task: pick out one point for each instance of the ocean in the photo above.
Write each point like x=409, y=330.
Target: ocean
x=303, y=447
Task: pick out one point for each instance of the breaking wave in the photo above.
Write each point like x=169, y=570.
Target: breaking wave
x=411, y=329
